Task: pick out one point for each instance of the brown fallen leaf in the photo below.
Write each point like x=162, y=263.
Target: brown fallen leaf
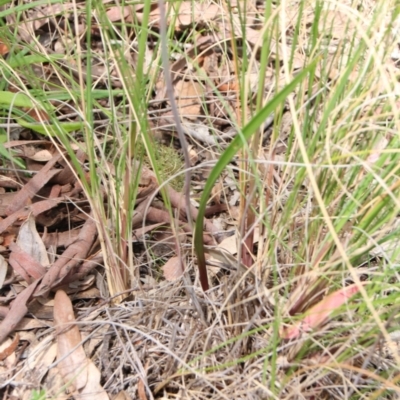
x=190, y=95
x=202, y=46
x=84, y=269
x=41, y=156
x=34, y=209
x=60, y=239
x=80, y=375
x=38, y=115
x=17, y=311
x=173, y=269
x=34, y=185
x=9, y=362
x=4, y=49
x=30, y=241
x=3, y=270
x=27, y=324
x=10, y=349
x=93, y=388
x=53, y=383
x=24, y=264
x=74, y=255
x=320, y=313
x=141, y=390
x=3, y=311
x=70, y=353
x=122, y=395
x=68, y=175
x=40, y=357
x=118, y=13
x=38, y=18
x=6, y=199
x=186, y=13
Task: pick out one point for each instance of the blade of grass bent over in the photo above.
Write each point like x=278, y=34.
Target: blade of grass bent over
x=238, y=142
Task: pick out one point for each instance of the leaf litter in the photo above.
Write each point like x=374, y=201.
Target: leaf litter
x=147, y=346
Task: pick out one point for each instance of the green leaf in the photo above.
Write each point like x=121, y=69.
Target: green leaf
x=15, y=99
x=45, y=129
x=238, y=142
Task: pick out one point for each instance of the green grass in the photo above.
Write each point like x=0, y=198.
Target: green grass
x=320, y=206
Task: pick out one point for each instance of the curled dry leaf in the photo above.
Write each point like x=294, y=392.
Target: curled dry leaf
x=173, y=269
x=41, y=156
x=30, y=241
x=320, y=313
x=28, y=255
x=3, y=270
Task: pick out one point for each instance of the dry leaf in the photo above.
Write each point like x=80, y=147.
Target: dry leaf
x=24, y=265
x=3, y=48
x=141, y=390
x=38, y=115
x=41, y=156
x=337, y=23
x=118, y=13
x=173, y=269
x=17, y=311
x=39, y=359
x=92, y=389
x=3, y=270
x=30, y=241
x=320, y=313
x=6, y=199
x=71, y=257
x=9, y=361
x=73, y=362
x=122, y=395
x=377, y=150
x=189, y=97
x=36, y=209
x=80, y=374
x=27, y=324
x=187, y=13
x=53, y=383
x=8, y=347
x=193, y=155
x=29, y=190
x=196, y=12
